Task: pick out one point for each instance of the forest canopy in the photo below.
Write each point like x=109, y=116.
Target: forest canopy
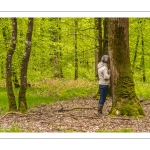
x=53, y=43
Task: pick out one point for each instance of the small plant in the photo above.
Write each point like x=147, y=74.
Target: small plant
x=13, y=128
x=121, y=130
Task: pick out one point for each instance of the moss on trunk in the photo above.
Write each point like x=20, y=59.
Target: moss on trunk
x=22, y=100
x=125, y=101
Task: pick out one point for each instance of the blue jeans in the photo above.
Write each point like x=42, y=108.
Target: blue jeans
x=103, y=93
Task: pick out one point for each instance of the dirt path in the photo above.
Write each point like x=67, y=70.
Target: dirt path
x=78, y=115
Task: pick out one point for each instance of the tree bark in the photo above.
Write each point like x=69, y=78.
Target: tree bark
x=105, y=40
x=22, y=106
x=60, y=49
x=143, y=59
x=55, y=59
x=75, y=50
x=98, y=22
x=136, y=48
x=125, y=101
x=99, y=51
x=10, y=52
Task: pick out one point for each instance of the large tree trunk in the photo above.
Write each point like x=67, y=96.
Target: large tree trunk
x=22, y=106
x=10, y=52
x=125, y=101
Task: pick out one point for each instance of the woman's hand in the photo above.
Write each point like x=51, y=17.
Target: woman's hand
x=108, y=71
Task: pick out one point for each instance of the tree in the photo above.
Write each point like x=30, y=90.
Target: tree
x=10, y=52
x=99, y=50
x=105, y=39
x=125, y=101
x=57, y=69
x=136, y=46
x=143, y=53
x=76, y=49
x=22, y=106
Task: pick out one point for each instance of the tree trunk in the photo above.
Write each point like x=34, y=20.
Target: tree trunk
x=75, y=50
x=136, y=48
x=4, y=29
x=105, y=41
x=56, y=57
x=99, y=38
x=10, y=52
x=99, y=51
x=125, y=101
x=143, y=58
x=60, y=49
x=14, y=74
x=23, y=83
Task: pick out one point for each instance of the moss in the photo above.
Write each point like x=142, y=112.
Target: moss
x=125, y=87
x=127, y=107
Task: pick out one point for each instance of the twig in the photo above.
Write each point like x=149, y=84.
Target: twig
x=11, y=112
x=121, y=118
x=60, y=110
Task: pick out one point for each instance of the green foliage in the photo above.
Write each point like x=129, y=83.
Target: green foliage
x=56, y=90
x=142, y=88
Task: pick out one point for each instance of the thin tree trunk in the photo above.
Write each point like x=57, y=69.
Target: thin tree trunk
x=99, y=49
x=23, y=83
x=55, y=59
x=10, y=52
x=2, y=69
x=99, y=38
x=75, y=50
x=136, y=48
x=14, y=74
x=96, y=49
x=60, y=53
x=125, y=101
x=6, y=46
x=143, y=58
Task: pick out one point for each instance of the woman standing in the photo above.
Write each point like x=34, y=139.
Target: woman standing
x=104, y=80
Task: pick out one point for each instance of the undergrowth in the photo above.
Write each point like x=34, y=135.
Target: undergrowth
x=51, y=90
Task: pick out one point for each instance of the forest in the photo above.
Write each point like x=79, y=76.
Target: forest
x=49, y=79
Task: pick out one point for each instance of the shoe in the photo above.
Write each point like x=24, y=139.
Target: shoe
x=100, y=107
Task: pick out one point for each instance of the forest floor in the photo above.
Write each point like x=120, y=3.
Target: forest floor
x=78, y=115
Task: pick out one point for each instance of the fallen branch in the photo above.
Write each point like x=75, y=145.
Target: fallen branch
x=120, y=118
x=62, y=109
x=10, y=113
x=76, y=116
